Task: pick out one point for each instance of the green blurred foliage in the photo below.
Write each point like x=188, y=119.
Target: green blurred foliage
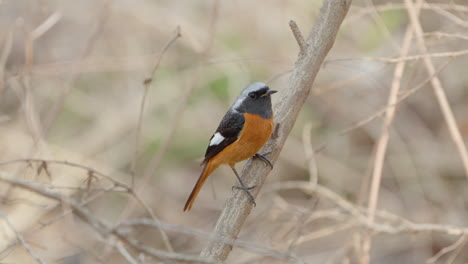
x=219, y=88
x=372, y=35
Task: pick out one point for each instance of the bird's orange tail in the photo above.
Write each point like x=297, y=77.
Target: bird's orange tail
x=207, y=170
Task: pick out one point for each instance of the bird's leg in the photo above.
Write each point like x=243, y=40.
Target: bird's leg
x=264, y=159
x=243, y=187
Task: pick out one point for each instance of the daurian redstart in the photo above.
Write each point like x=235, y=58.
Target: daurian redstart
x=245, y=128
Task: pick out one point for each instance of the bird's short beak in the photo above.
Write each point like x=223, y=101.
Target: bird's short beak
x=270, y=92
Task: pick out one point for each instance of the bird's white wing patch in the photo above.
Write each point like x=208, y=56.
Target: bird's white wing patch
x=217, y=138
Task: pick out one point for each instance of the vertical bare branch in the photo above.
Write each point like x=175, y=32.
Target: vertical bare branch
x=185, y=96
x=147, y=83
x=5, y=53
x=58, y=106
x=307, y=66
x=437, y=86
x=382, y=143
x=309, y=153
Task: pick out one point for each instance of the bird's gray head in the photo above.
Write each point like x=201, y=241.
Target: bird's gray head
x=255, y=99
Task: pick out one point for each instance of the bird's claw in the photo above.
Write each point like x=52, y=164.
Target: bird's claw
x=264, y=159
x=246, y=190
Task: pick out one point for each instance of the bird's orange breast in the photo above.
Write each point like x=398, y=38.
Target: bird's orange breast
x=253, y=136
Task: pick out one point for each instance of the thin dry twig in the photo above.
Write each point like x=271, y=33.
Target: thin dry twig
x=246, y=245
x=58, y=106
x=383, y=140
x=124, y=252
x=30, y=111
x=83, y=188
x=395, y=6
x=327, y=231
x=6, y=50
x=45, y=26
x=298, y=35
x=381, y=111
x=447, y=249
x=180, y=108
x=452, y=17
x=438, y=89
x=171, y=131
x=147, y=83
x=408, y=58
x=70, y=164
x=115, y=183
x=22, y=240
x=390, y=223
x=65, y=213
x=102, y=227
x=443, y=35
x=309, y=153
x=320, y=41
x=455, y=253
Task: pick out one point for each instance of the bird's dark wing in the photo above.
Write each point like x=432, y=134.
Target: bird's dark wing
x=228, y=131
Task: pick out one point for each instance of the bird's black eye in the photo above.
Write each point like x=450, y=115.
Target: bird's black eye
x=253, y=95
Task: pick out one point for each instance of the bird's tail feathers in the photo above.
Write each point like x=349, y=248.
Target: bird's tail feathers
x=207, y=170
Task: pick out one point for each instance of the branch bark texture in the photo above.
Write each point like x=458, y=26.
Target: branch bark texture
x=318, y=43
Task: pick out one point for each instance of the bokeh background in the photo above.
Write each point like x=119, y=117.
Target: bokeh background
x=71, y=89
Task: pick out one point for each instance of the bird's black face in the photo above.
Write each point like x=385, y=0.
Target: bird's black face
x=261, y=93
x=255, y=99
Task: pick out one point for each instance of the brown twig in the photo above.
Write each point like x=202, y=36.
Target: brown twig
x=391, y=224
x=116, y=183
x=46, y=25
x=320, y=41
x=381, y=111
x=102, y=227
x=70, y=164
x=310, y=153
x=458, y=53
x=395, y=6
x=246, y=245
x=443, y=35
x=438, y=89
x=5, y=53
x=57, y=218
x=447, y=249
x=298, y=35
x=147, y=83
x=450, y=16
x=179, y=110
x=382, y=143
x=58, y=106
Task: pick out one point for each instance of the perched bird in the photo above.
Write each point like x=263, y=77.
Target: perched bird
x=245, y=128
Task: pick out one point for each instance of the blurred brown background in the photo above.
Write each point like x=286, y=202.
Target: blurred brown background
x=71, y=87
